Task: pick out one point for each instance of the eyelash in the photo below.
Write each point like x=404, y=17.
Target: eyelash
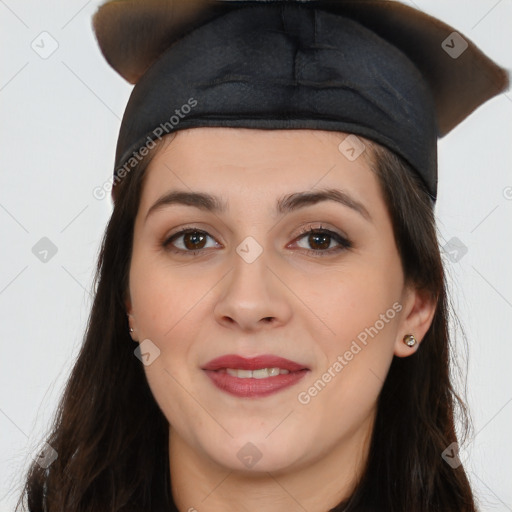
x=344, y=243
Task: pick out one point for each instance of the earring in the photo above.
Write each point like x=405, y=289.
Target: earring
x=131, y=330
x=410, y=340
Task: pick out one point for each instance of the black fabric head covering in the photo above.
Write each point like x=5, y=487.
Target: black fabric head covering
x=373, y=68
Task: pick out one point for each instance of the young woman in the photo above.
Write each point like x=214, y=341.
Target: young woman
x=270, y=324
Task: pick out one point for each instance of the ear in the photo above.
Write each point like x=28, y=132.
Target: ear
x=131, y=318
x=419, y=307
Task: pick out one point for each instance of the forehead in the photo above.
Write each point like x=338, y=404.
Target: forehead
x=256, y=166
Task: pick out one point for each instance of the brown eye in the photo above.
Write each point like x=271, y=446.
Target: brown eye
x=194, y=240
x=319, y=241
x=187, y=241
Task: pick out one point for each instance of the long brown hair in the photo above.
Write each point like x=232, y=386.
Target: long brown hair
x=112, y=438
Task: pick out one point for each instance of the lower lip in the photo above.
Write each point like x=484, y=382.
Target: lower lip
x=248, y=388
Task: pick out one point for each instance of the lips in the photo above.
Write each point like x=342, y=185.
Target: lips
x=254, y=377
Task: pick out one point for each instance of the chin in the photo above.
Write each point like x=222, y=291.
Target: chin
x=255, y=454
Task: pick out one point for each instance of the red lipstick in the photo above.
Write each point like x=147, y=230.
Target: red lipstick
x=232, y=373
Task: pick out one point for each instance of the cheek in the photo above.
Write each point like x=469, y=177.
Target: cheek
x=162, y=297
x=357, y=320
x=165, y=303
x=354, y=358
x=170, y=304
x=359, y=303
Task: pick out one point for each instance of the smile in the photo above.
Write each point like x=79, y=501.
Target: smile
x=253, y=377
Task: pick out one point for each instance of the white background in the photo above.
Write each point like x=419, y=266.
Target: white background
x=59, y=120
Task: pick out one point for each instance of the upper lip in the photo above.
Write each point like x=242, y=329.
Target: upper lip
x=253, y=363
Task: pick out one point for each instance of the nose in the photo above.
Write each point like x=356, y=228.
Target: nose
x=253, y=296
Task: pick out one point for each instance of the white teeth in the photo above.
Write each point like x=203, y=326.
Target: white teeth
x=263, y=373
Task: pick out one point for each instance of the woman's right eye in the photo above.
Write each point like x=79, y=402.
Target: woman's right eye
x=188, y=241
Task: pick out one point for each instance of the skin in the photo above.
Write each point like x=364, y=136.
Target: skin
x=290, y=302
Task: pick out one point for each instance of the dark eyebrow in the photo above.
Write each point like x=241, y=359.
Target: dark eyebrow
x=285, y=204
x=199, y=200
x=302, y=199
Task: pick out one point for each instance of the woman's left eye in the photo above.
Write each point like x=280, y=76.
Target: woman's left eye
x=322, y=239
x=192, y=241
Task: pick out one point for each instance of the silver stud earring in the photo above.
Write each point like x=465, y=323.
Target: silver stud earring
x=131, y=330
x=410, y=340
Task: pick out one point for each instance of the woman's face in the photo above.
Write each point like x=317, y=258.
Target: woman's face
x=247, y=279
